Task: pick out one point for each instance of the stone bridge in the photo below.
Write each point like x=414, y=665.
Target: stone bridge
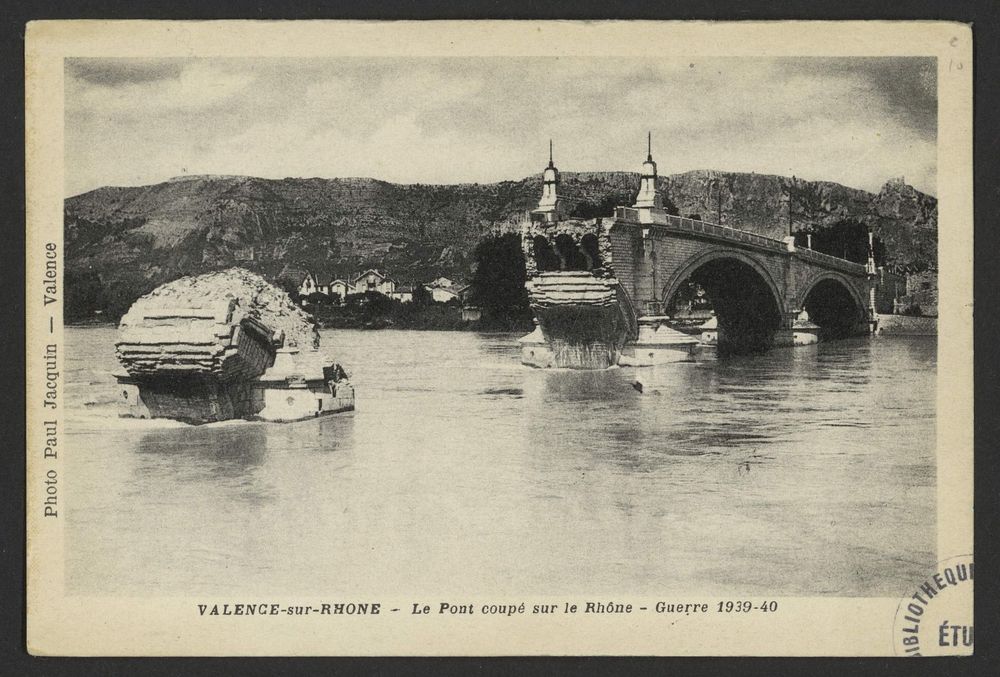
x=757, y=285
x=602, y=289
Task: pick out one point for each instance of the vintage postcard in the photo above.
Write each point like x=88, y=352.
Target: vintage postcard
x=499, y=338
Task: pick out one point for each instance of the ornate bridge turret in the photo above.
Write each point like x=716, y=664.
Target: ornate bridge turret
x=583, y=314
x=648, y=197
x=549, y=207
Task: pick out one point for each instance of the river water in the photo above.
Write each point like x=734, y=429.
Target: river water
x=803, y=471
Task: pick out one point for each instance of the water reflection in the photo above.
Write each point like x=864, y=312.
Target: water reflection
x=203, y=453
x=725, y=475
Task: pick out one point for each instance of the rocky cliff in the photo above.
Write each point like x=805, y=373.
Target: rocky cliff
x=123, y=241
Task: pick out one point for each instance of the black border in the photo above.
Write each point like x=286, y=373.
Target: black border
x=982, y=14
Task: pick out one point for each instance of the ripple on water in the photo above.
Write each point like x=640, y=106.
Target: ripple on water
x=723, y=476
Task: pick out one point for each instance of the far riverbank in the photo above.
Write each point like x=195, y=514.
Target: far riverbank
x=906, y=325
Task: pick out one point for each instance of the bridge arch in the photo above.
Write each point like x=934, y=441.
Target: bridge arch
x=833, y=302
x=690, y=266
x=808, y=288
x=748, y=302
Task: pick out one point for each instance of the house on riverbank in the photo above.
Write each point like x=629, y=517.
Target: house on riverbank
x=312, y=282
x=440, y=290
x=444, y=289
x=373, y=280
x=921, y=292
x=906, y=291
x=339, y=288
x=309, y=285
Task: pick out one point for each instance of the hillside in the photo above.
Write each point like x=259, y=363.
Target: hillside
x=122, y=241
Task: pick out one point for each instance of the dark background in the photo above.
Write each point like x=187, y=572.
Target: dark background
x=982, y=14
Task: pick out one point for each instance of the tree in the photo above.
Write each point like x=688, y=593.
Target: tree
x=603, y=208
x=846, y=239
x=290, y=287
x=498, y=283
x=319, y=299
x=421, y=296
x=122, y=291
x=84, y=295
x=376, y=303
x=669, y=207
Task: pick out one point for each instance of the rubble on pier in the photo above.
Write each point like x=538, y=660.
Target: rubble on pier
x=203, y=349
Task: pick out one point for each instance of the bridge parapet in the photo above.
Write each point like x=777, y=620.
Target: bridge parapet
x=685, y=225
x=831, y=261
x=731, y=235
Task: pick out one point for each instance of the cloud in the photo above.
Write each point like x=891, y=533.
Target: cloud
x=144, y=91
x=905, y=86
x=118, y=72
x=854, y=121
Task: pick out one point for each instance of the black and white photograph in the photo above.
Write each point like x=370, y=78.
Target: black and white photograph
x=630, y=338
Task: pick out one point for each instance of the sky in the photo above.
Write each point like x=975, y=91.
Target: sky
x=855, y=121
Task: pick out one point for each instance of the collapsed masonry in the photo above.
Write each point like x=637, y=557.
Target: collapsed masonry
x=225, y=345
